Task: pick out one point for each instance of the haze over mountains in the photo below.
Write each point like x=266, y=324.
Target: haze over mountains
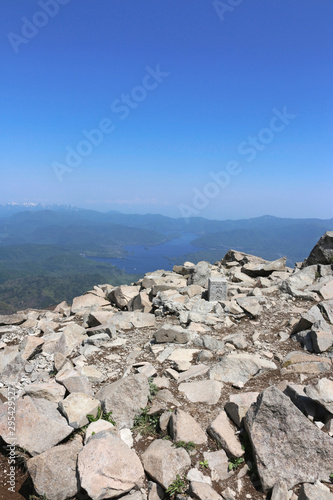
x=43, y=249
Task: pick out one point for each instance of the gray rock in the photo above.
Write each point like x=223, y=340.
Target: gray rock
x=155, y=492
x=125, y=398
x=12, y=319
x=74, y=381
x=209, y=342
x=122, y=295
x=307, y=319
x=204, y=391
x=322, y=252
x=322, y=392
x=264, y=269
x=54, y=473
x=221, y=430
x=200, y=275
x=172, y=333
x=203, y=491
x=218, y=463
x=304, y=403
x=194, y=371
x=48, y=390
x=314, y=492
x=163, y=462
x=72, y=337
x=88, y=302
x=237, y=369
x=238, y=406
x=250, y=305
x=300, y=362
x=326, y=307
x=38, y=425
x=183, y=427
x=77, y=406
x=280, y=434
x=108, y=468
x=280, y=491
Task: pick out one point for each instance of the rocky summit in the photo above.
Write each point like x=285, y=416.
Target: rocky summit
x=207, y=382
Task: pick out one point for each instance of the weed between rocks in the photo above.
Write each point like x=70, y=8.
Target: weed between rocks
x=179, y=485
x=147, y=424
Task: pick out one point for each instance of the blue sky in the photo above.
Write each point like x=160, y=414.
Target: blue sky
x=217, y=109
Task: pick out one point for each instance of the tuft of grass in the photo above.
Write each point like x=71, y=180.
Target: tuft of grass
x=101, y=416
x=187, y=446
x=234, y=463
x=153, y=389
x=204, y=464
x=146, y=424
x=331, y=478
x=179, y=485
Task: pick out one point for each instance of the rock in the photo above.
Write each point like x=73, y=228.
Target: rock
x=209, y=342
x=125, y=398
x=122, y=295
x=11, y=364
x=99, y=426
x=322, y=392
x=99, y=318
x=93, y=375
x=280, y=491
x=264, y=269
x=145, y=368
x=29, y=346
x=250, y=305
x=218, y=463
x=38, y=425
x=54, y=472
x=12, y=319
x=281, y=434
x=315, y=491
x=300, y=362
x=51, y=391
x=237, y=340
x=77, y=406
x=163, y=462
x=98, y=339
x=141, y=302
x=183, y=427
x=108, y=468
x=182, y=358
x=321, y=336
x=205, y=391
x=193, y=290
x=194, y=371
x=72, y=337
x=217, y=289
x=155, y=492
x=88, y=302
x=326, y=290
x=304, y=403
x=172, y=333
x=239, y=368
x=326, y=308
x=200, y=275
x=74, y=381
x=203, y=491
x=197, y=476
x=322, y=252
x=221, y=430
x=238, y=406
x=308, y=319
x=126, y=320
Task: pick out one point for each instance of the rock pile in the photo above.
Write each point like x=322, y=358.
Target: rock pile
x=207, y=382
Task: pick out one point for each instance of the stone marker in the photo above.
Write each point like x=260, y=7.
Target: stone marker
x=217, y=289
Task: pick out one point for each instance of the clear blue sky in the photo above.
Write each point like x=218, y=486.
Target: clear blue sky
x=184, y=91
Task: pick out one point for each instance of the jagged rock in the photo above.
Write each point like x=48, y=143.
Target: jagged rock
x=74, y=381
x=99, y=318
x=108, y=330
x=221, y=430
x=125, y=398
x=99, y=426
x=300, y=362
x=194, y=371
x=182, y=358
x=218, y=463
x=200, y=275
x=145, y=368
x=88, y=302
x=326, y=290
x=315, y=491
x=321, y=336
x=237, y=340
x=108, y=468
x=280, y=491
x=155, y=492
x=172, y=333
x=280, y=434
x=237, y=369
x=11, y=364
x=308, y=406
x=183, y=427
x=126, y=320
x=197, y=476
x=92, y=373
x=308, y=319
x=238, y=406
x=77, y=406
x=38, y=425
x=209, y=343
x=163, y=462
x=205, y=391
x=203, y=491
x=326, y=308
x=122, y=295
x=264, y=269
x=250, y=305
x=54, y=472
x=48, y=390
x=322, y=392
x=322, y=252
x=29, y=346
x=12, y=319
x=72, y=337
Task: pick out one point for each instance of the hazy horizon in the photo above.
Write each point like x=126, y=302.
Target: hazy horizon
x=217, y=109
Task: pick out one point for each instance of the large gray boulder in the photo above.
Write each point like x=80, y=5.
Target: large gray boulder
x=286, y=445
x=108, y=468
x=201, y=273
x=237, y=369
x=322, y=252
x=183, y=427
x=54, y=473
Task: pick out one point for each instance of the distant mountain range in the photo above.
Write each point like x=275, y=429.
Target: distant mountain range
x=43, y=247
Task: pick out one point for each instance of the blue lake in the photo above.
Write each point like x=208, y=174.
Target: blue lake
x=141, y=259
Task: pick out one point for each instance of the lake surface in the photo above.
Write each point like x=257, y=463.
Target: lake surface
x=141, y=259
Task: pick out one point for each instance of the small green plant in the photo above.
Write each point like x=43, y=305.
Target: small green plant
x=101, y=415
x=179, y=485
x=204, y=464
x=153, y=389
x=234, y=463
x=187, y=446
x=145, y=423
x=331, y=478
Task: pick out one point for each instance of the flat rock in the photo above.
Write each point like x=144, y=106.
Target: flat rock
x=205, y=391
x=300, y=362
x=72, y=336
x=125, y=398
x=183, y=427
x=38, y=425
x=218, y=463
x=123, y=294
x=54, y=472
x=172, y=333
x=74, y=381
x=280, y=491
x=29, y=346
x=88, y=302
x=99, y=426
x=51, y=391
x=239, y=368
x=280, y=434
x=77, y=406
x=238, y=406
x=322, y=392
x=203, y=491
x=163, y=462
x=182, y=358
x=221, y=430
x=250, y=305
x=315, y=491
x=108, y=468
x=12, y=319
